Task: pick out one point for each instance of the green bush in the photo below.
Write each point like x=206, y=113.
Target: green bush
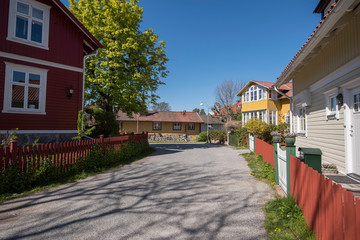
x=12, y=180
x=256, y=126
x=201, y=137
x=105, y=123
x=217, y=135
x=242, y=134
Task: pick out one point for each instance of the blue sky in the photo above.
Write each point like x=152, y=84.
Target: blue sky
x=209, y=41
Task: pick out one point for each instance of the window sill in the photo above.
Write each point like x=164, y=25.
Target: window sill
x=23, y=112
x=26, y=42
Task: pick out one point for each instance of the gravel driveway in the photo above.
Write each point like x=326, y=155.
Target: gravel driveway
x=181, y=191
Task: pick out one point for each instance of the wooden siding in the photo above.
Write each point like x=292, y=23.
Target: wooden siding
x=61, y=113
x=328, y=135
x=166, y=128
x=344, y=47
x=65, y=40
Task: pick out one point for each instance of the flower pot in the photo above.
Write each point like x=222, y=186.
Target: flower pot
x=276, y=139
x=290, y=141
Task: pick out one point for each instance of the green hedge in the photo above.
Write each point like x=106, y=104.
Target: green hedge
x=12, y=180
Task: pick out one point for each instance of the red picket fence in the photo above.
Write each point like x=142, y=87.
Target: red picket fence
x=62, y=155
x=266, y=150
x=330, y=210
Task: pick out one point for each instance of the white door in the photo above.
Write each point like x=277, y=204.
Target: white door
x=355, y=130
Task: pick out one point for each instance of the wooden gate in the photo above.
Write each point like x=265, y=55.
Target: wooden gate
x=282, y=168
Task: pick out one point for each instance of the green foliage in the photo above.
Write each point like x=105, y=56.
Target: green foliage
x=12, y=180
x=217, y=135
x=260, y=169
x=256, y=126
x=265, y=136
x=105, y=123
x=239, y=117
x=127, y=70
x=284, y=220
x=81, y=126
x=201, y=137
x=9, y=136
x=242, y=134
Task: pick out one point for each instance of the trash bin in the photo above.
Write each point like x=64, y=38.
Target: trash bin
x=311, y=157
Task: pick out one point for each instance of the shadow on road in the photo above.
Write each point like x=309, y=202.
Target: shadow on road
x=170, y=148
x=137, y=201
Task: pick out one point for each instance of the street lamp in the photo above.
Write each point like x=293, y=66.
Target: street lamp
x=207, y=121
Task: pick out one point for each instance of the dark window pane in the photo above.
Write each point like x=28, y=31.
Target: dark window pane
x=23, y=8
x=36, y=31
x=17, y=98
x=19, y=77
x=34, y=79
x=21, y=27
x=33, y=98
x=37, y=13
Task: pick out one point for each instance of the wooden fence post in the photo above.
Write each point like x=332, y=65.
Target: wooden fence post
x=13, y=150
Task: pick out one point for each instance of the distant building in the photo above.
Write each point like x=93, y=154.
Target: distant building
x=260, y=100
x=214, y=123
x=161, y=123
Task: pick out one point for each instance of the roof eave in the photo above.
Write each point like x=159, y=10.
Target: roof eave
x=310, y=47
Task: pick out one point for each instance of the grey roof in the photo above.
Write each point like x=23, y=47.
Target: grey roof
x=212, y=120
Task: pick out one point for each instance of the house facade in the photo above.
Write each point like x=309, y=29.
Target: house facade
x=326, y=81
x=214, y=123
x=42, y=52
x=162, y=123
x=261, y=100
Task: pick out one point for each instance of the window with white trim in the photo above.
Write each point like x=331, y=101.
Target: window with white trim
x=177, y=126
x=156, y=125
x=254, y=93
x=191, y=126
x=332, y=109
x=302, y=120
x=25, y=89
x=273, y=117
x=29, y=23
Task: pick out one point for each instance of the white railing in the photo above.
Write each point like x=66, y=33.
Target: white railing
x=251, y=143
x=282, y=168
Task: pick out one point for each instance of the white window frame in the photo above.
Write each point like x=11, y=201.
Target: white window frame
x=12, y=23
x=299, y=120
x=10, y=68
x=177, y=126
x=273, y=117
x=331, y=115
x=191, y=126
x=157, y=126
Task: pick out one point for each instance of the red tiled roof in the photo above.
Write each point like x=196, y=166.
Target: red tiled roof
x=308, y=40
x=162, y=116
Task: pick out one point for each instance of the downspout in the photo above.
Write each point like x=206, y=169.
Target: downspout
x=83, y=89
x=291, y=106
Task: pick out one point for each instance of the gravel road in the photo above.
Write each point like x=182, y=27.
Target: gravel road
x=181, y=191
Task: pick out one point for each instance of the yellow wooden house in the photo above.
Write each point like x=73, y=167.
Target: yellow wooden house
x=261, y=100
x=166, y=124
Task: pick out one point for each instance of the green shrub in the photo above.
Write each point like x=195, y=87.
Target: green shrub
x=201, y=137
x=105, y=123
x=12, y=180
x=256, y=126
x=242, y=134
x=217, y=135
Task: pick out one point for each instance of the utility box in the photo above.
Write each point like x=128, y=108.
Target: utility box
x=311, y=157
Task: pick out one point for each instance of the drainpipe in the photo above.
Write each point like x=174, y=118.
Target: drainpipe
x=291, y=106
x=83, y=90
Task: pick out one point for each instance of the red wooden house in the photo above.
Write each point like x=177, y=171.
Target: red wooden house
x=42, y=52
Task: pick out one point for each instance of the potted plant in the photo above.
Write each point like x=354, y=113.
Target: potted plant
x=276, y=136
x=290, y=139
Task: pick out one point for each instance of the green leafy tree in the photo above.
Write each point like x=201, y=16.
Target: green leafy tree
x=161, y=106
x=81, y=126
x=126, y=72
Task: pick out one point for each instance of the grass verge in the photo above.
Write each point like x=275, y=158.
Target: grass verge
x=283, y=217
x=75, y=176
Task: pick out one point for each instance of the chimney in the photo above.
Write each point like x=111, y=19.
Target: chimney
x=184, y=112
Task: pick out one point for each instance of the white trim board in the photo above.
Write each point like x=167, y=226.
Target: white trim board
x=38, y=131
x=39, y=61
